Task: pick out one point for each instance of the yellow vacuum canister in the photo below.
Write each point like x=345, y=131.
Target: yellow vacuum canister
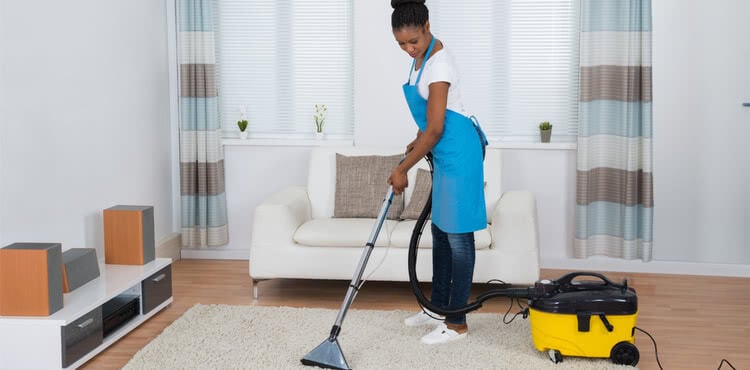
x=584, y=318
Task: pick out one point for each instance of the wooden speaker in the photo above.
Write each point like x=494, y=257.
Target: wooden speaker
x=129, y=235
x=79, y=267
x=31, y=279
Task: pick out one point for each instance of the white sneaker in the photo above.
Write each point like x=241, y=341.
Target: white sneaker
x=422, y=319
x=442, y=334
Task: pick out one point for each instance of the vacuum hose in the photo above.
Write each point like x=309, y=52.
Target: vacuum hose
x=414, y=242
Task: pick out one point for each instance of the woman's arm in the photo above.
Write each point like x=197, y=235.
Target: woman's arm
x=436, y=106
x=410, y=146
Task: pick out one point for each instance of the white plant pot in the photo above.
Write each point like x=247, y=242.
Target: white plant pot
x=319, y=135
x=243, y=135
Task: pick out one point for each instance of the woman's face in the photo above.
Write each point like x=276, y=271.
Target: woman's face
x=414, y=40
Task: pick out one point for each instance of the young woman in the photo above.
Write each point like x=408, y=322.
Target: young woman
x=457, y=145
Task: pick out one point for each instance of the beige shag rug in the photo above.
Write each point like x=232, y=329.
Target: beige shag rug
x=253, y=337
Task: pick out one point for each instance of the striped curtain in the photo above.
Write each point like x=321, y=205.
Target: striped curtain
x=204, y=205
x=614, y=182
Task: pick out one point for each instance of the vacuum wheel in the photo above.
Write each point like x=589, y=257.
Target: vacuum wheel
x=625, y=353
x=555, y=356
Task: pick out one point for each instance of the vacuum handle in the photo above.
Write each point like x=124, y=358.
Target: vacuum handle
x=566, y=282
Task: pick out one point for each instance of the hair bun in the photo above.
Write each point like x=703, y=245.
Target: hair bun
x=395, y=3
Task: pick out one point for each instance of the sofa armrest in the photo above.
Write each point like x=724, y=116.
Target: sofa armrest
x=515, y=230
x=276, y=219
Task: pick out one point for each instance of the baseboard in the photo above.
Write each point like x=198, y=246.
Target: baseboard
x=170, y=246
x=653, y=267
x=592, y=263
x=215, y=254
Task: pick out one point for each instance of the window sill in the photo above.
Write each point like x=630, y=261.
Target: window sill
x=311, y=142
x=286, y=142
x=533, y=146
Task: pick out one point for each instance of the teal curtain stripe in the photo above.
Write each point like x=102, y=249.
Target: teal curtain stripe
x=616, y=15
x=199, y=114
x=204, y=211
x=613, y=219
x=614, y=117
x=194, y=15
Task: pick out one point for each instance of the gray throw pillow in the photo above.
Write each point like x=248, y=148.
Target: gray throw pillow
x=419, y=195
x=361, y=186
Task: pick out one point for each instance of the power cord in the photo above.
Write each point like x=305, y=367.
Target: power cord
x=388, y=248
x=524, y=311
x=497, y=281
x=656, y=352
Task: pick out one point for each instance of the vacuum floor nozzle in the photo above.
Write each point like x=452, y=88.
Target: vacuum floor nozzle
x=327, y=355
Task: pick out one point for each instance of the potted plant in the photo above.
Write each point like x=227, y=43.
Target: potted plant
x=545, y=130
x=242, y=124
x=320, y=119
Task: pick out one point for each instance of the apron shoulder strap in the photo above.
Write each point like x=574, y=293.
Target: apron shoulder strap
x=421, y=68
x=411, y=69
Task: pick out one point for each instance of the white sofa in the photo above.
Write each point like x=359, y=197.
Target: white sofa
x=294, y=234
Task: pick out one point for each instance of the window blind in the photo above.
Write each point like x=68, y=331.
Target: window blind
x=277, y=59
x=518, y=62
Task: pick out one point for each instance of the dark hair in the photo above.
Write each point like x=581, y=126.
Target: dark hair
x=408, y=13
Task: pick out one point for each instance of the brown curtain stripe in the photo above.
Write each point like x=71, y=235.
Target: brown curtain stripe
x=614, y=185
x=199, y=237
x=622, y=83
x=202, y=178
x=198, y=80
x=610, y=246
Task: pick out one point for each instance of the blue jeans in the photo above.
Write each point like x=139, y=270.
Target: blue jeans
x=453, y=258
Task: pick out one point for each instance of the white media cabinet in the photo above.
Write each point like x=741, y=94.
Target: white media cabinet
x=73, y=335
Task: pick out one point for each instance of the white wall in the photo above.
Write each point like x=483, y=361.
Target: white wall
x=702, y=171
x=2, y=105
x=382, y=118
x=380, y=68
x=84, y=119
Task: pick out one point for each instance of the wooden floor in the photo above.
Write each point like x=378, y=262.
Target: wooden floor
x=696, y=320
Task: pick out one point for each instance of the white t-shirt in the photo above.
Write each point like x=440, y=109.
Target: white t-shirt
x=441, y=67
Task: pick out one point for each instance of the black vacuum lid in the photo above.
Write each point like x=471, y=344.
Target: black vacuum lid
x=569, y=297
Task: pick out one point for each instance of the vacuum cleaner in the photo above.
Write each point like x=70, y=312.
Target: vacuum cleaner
x=568, y=316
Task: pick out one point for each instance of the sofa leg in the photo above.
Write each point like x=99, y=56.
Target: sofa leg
x=255, y=289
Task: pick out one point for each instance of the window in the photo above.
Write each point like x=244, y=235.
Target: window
x=277, y=59
x=518, y=61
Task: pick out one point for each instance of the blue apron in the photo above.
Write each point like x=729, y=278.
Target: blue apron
x=458, y=204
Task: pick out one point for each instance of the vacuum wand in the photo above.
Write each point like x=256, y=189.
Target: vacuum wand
x=359, y=271
x=328, y=354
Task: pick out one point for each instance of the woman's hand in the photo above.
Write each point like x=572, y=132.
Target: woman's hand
x=398, y=180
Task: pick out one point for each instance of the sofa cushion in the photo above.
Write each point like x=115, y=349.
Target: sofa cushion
x=401, y=236
x=342, y=232
x=412, y=176
x=419, y=195
x=321, y=174
x=361, y=185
